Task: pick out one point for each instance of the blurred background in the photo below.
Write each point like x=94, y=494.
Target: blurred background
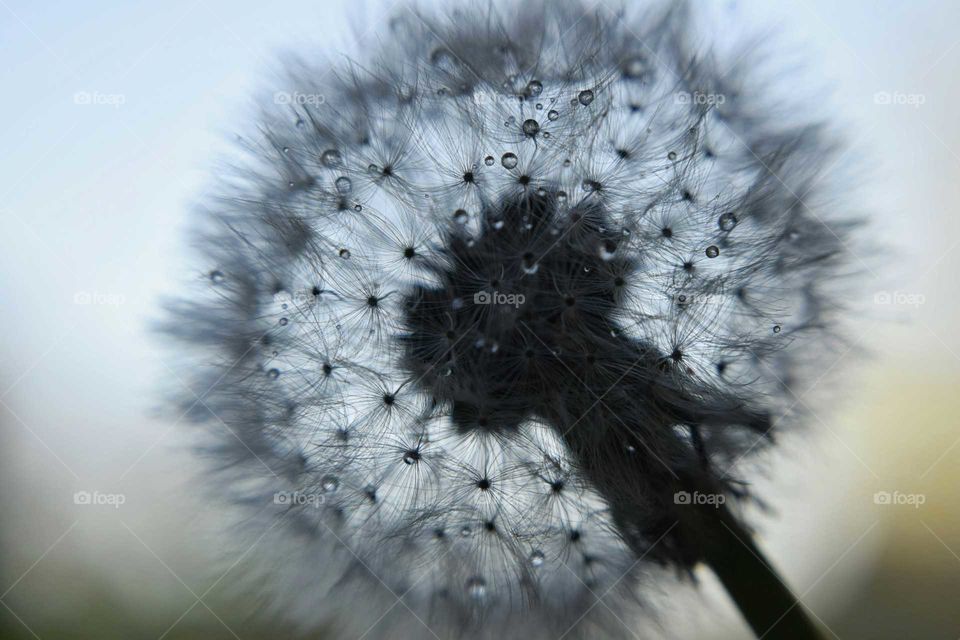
x=113, y=116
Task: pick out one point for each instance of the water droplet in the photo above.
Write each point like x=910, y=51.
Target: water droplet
x=460, y=216
x=343, y=185
x=712, y=251
x=372, y=168
x=727, y=221
x=585, y=97
x=635, y=67
x=508, y=160
x=358, y=207
x=552, y=115
x=411, y=457
x=489, y=161
x=283, y=322
x=534, y=88
x=567, y=162
x=273, y=374
x=216, y=276
x=530, y=265
x=672, y=155
x=331, y=158
x=776, y=328
x=561, y=197
x=329, y=484
x=286, y=149
x=497, y=224
x=531, y=127
x=477, y=587
x=539, y=106
x=466, y=531
x=625, y=232
x=536, y=558
x=345, y=254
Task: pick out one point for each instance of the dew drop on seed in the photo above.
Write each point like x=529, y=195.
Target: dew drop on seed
x=552, y=115
x=466, y=532
x=585, y=97
x=634, y=67
x=358, y=207
x=372, y=168
x=410, y=457
x=283, y=322
x=331, y=158
x=497, y=224
x=712, y=251
x=567, y=162
x=509, y=160
x=489, y=161
x=534, y=88
x=727, y=221
x=286, y=149
x=345, y=254
x=476, y=587
x=672, y=155
x=539, y=106
x=776, y=328
x=531, y=127
x=561, y=197
x=343, y=185
x=536, y=558
x=329, y=484
x=216, y=276
x=273, y=374
x=460, y=216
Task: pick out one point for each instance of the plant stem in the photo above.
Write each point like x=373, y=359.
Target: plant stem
x=767, y=604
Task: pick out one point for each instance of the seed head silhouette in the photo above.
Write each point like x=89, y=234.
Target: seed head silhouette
x=493, y=317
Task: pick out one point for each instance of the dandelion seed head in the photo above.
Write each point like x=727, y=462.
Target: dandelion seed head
x=485, y=300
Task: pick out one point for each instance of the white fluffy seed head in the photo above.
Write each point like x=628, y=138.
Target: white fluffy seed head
x=707, y=247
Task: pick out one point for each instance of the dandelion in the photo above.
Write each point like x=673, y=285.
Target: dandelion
x=492, y=325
